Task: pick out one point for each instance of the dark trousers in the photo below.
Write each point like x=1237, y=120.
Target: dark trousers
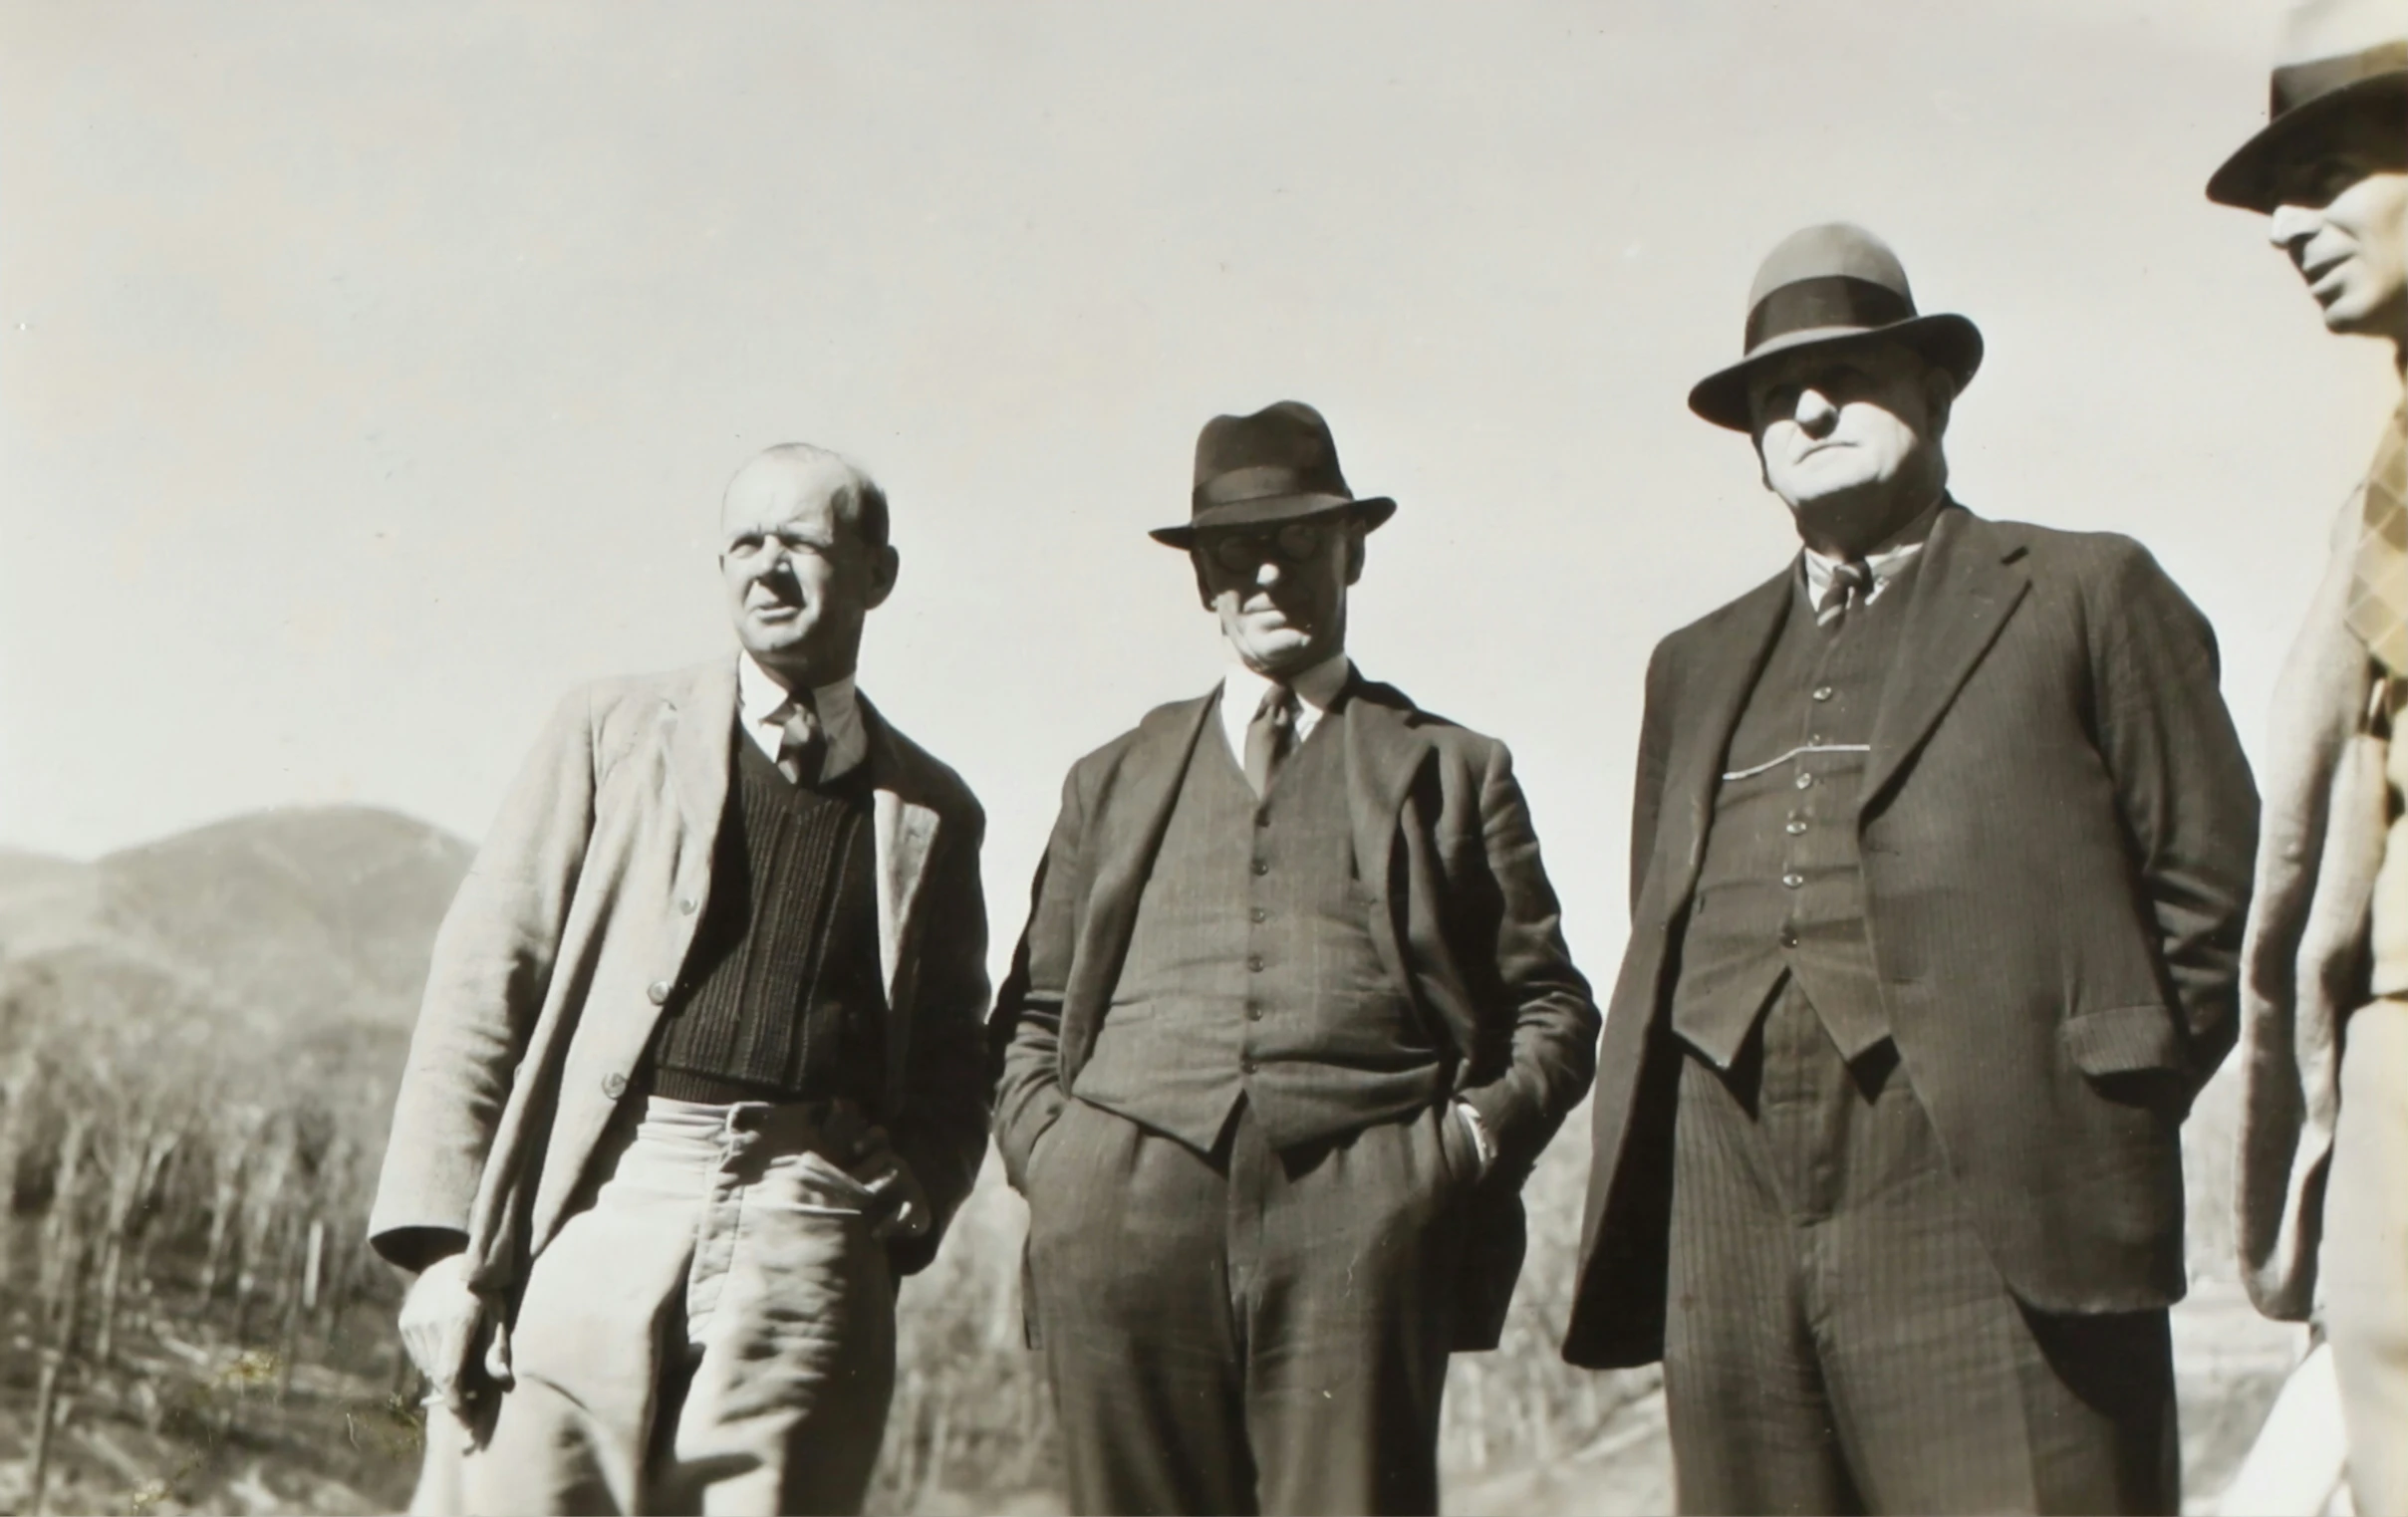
x=1245, y=1330
x=1838, y=1340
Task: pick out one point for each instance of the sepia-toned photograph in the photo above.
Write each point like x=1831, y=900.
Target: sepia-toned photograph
x=1347, y=756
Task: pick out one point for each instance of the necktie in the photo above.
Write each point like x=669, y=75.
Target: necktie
x=804, y=746
x=2378, y=582
x=1850, y=583
x=1269, y=737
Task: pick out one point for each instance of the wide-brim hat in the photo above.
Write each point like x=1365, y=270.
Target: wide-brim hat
x=1829, y=284
x=2339, y=58
x=1279, y=464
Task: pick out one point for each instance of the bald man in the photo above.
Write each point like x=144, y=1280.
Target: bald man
x=698, y=1072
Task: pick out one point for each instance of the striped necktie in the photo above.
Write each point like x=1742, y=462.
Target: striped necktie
x=804, y=747
x=2378, y=581
x=1850, y=583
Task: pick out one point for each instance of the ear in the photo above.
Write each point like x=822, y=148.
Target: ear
x=885, y=564
x=1204, y=585
x=1356, y=532
x=1940, y=396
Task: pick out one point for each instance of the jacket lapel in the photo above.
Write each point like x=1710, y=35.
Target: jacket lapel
x=904, y=829
x=1128, y=830
x=1963, y=592
x=1382, y=752
x=699, y=728
x=1727, y=670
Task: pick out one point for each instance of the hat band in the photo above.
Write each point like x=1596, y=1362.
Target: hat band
x=1827, y=300
x=2298, y=83
x=1264, y=482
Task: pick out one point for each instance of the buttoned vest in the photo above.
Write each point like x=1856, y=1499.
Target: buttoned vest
x=1251, y=970
x=1781, y=890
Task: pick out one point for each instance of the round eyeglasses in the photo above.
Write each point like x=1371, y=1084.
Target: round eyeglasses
x=1242, y=551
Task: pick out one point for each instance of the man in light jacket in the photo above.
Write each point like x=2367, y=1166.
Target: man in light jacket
x=699, y=1070
x=2324, y=1202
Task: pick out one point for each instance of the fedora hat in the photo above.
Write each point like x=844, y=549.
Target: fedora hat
x=1279, y=464
x=1834, y=283
x=2338, y=59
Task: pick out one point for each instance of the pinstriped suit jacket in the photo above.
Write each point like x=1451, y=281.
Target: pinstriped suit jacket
x=2057, y=826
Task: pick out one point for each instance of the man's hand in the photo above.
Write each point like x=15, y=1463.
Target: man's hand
x=903, y=1210
x=440, y=1319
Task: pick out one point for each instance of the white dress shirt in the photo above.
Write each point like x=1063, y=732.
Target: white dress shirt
x=1242, y=690
x=1885, y=563
x=764, y=704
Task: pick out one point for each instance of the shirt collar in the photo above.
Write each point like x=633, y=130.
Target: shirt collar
x=1884, y=563
x=1317, y=690
x=764, y=703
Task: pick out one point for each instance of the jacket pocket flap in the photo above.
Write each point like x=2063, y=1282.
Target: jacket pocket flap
x=2122, y=1040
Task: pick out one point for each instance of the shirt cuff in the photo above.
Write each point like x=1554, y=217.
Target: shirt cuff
x=1482, y=1143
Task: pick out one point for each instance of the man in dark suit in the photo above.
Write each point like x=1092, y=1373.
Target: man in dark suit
x=1291, y=1020
x=1938, y=860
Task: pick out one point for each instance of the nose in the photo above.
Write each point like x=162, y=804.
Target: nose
x=1815, y=412
x=2289, y=226
x=1266, y=573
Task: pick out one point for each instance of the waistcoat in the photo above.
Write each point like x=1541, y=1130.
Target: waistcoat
x=1251, y=970
x=1781, y=890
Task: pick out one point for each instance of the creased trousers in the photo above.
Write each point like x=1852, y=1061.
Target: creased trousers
x=1247, y=1332
x=1838, y=1340
x=714, y=1332
x=2362, y=1265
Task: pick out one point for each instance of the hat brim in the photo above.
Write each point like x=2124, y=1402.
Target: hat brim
x=2248, y=178
x=1373, y=509
x=1949, y=339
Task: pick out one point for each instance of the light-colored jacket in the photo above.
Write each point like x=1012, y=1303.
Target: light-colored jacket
x=573, y=927
x=2305, y=961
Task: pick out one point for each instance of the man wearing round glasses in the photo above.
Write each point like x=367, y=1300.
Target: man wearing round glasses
x=1291, y=1019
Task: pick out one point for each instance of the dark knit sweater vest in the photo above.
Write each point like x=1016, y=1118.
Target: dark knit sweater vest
x=782, y=997
x=1781, y=890
x=1251, y=970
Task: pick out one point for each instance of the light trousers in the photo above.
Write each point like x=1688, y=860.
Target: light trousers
x=714, y=1332
x=2362, y=1266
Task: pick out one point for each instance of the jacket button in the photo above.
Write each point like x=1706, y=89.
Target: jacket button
x=1822, y=693
x=1253, y=1011
x=1245, y=1067
x=614, y=1085
x=1793, y=826
x=1262, y=865
x=1253, y=962
x=1789, y=937
x=659, y=991
x=1259, y=914
x=1804, y=781
x=1794, y=880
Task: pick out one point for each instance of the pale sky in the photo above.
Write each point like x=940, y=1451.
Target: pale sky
x=368, y=374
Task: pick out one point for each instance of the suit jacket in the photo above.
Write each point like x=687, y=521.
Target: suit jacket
x=2055, y=827
x=1463, y=920
x=573, y=924
x=2307, y=960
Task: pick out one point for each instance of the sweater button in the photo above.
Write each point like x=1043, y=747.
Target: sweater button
x=614, y=1085
x=659, y=991
x=1260, y=914
x=1822, y=693
x=686, y=905
x=1793, y=826
x=1804, y=781
x=1789, y=937
x=1253, y=1011
x=1794, y=880
x=1262, y=865
x=1253, y=962
x=1245, y=1067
